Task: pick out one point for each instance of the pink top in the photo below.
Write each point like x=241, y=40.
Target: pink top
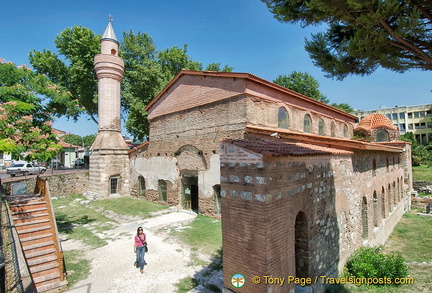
x=138, y=241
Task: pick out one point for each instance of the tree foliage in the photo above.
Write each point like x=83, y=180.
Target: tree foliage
x=363, y=35
x=303, y=83
x=343, y=106
x=147, y=71
x=72, y=68
x=25, y=122
x=419, y=153
x=78, y=140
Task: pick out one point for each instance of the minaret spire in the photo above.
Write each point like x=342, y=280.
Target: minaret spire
x=109, y=31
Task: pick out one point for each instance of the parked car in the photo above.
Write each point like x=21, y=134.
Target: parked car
x=56, y=164
x=25, y=168
x=79, y=162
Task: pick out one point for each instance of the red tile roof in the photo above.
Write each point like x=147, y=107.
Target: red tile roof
x=67, y=145
x=332, y=142
x=374, y=121
x=276, y=149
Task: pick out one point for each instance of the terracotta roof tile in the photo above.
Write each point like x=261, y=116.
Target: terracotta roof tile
x=275, y=149
x=374, y=121
x=67, y=145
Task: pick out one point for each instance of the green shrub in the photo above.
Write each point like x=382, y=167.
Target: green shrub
x=369, y=262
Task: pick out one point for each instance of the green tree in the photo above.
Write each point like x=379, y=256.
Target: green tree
x=217, y=67
x=147, y=71
x=25, y=122
x=419, y=153
x=89, y=140
x=73, y=139
x=78, y=140
x=72, y=68
x=303, y=83
x=363, y=35
x=343, y=106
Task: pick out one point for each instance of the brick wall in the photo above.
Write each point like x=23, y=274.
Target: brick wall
x=265, y=201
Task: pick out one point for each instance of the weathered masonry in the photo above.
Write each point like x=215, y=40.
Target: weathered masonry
x=296, y=194
x=181, y=166
x=294, y=209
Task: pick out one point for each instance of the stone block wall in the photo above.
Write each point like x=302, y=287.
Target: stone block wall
x=105, y=164
x=59, y=184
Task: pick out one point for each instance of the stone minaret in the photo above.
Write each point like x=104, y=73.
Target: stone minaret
x=109, y=160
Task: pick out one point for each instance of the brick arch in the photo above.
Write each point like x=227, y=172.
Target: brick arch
x=190, y=158
x=283, y=118
x=364, y=217
x=376, y=217
x=301, y=246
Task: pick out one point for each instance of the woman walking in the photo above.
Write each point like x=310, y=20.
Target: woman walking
x=140, y=246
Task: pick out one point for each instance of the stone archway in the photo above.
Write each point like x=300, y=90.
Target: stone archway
x=190, y=160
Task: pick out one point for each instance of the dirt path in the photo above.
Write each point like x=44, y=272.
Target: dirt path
x=112, y=267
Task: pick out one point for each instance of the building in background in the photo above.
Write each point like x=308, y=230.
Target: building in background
x=415, y=119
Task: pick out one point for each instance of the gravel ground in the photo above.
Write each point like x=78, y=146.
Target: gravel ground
x=112, y=267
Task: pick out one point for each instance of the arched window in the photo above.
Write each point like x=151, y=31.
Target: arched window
x=333, y=129
x=217, y=198
x=307, y=124
x=375, y=209
x=381, y=135
x=364, y=214
x=141, y=186
x=162, y=190
x=283, y=120
x=383, y=202
x=374, y=167
x=321, y=127
x=389, y=198
x=345, y=131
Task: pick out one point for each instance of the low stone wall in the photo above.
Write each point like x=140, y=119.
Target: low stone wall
x=422, y=186
x=59, y=184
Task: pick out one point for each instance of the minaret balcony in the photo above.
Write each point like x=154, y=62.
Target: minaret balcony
x=109, y=66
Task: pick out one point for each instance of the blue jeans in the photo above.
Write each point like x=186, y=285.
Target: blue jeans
x=140, y=252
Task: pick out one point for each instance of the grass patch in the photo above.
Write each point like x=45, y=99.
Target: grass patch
x=205, y=233
x=130, y=206
x=185, y=285
x=72, y=217
x=422, y=172
x=77, y=266
x=422, y=194
x=411, y=238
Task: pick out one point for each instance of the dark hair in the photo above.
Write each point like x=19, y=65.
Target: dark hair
x=139, y=228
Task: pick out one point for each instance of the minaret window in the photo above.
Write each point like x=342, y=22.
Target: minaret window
x=113, y=52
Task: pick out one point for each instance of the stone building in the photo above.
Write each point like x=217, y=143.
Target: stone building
x=296, y=194
x=181, y=164
x=109, y=160
x=299, y=210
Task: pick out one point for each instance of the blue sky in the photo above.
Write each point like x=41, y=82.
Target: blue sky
x=240, y=33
